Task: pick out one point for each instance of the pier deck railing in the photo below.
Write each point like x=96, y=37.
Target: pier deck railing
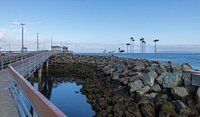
x=195, y=77
x=29, y=101
x=11, y=58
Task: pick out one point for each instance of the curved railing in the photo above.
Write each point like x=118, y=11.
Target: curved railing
x=29, y=101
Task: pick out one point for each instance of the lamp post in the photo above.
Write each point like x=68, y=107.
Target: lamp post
x=127, y=46
x=22, y=36
x=143, y=48
x=155, y=48
x=141, y=44
x=37, y=41
x=132, y=39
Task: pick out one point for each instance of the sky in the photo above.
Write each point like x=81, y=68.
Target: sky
x=97, y=25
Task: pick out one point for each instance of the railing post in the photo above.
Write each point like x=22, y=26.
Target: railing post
x=22, y=67
x=2, y=64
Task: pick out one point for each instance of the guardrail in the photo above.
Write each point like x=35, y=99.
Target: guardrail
x=195, y=77
x=29, y=101
x=6, y=60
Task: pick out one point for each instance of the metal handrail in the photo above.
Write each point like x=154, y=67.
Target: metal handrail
x=37, y=103
x=6, y=60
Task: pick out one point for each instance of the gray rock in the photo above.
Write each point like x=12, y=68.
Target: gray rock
x=125, y=80
x=176, y=68
x=186, y=76
x=136, y=77
x=165, y=64
x=182, y=108
x=143, y=90
x=161, y=77
x=198, y=96
x=149, y=78
x=115, y=77
x=180, y=92
x=161, y=69
x=144, y=100
x=170, y=80
x=151, y=95
x=139, y=63
x=160, y=99
x=186, y=66
x=139, y=68
x=154, y=67
x=136, y=85
x=155, y=88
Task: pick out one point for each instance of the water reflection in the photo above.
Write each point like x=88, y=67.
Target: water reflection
x=65, y=94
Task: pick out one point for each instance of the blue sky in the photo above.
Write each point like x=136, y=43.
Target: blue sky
x=95, y=25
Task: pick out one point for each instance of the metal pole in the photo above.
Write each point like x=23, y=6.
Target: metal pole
x=22, y=37
x=155, y=51
x=133, y=46
x=51, y=41
x=127, y=48
x=130, y=45
x=37, y=41
x=155, y=48
x=9, y=47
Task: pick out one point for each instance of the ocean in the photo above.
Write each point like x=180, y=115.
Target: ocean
x=192, y=58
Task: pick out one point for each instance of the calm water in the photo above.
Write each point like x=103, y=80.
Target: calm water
x=66, y=96
x=192, y=58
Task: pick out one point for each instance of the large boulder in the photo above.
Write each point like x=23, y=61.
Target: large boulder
x=139, y=68
x=115, y=76
x=136, y=85
x=143, y=90
x=119, y=110
x=148, y=110
x=186, y=67
x=169, y=80
x=198, y=96
x=156, y=88
x=167, y=110
x=180, y=92
x=125, y=80
x=166, y=65
x=176, y=68
x=149, y=78
x=137, y=76
x=182, y=108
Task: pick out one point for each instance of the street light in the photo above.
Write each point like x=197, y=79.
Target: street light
x=141, y=44
x=132, y=39
x=143, y=48
x=155, y=48
x=37, y=41
x=22, y=36
x=127, y=46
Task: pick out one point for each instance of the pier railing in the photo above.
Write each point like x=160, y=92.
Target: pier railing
x=195, y=77
x=11, y=58
x=29, y=101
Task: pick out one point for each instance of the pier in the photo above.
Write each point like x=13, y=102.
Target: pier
x=15, y=69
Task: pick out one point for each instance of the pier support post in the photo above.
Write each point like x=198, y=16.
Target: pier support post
x=47, y=67
x=40, y=78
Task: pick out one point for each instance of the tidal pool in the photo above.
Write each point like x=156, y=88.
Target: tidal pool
x=66, y=96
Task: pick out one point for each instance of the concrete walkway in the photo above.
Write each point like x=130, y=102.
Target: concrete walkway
x=7, y=106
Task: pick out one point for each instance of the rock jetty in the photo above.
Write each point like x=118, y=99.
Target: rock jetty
x=122, y=87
